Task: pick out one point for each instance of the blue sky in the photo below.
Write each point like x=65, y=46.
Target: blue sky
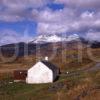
x=49, y=17
x=55, y=6
x=20, y=27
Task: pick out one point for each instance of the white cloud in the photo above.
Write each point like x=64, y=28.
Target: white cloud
x=24, y=3
x=67, y=20
x=87, y=14
x=51, y=28
x=10, y=18
x=17, y=10
x=10, y=36
x=49, y=15
x=55, y=21
x=93, y=36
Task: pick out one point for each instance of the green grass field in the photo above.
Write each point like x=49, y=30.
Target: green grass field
x=79, y=86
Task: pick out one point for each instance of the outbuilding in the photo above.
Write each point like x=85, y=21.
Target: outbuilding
x=20, y=75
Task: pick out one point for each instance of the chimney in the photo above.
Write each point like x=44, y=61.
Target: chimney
x=46, y=59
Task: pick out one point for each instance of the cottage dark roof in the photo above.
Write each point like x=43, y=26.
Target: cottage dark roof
x=50, y=66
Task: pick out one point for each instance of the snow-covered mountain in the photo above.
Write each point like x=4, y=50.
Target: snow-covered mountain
x=44, y=38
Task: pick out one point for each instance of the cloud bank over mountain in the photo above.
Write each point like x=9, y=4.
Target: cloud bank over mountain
x=76, y=16
x=10, y=36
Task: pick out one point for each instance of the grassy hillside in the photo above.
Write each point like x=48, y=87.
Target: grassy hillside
x=80, y=86
x=65, y=56
x=82, y=82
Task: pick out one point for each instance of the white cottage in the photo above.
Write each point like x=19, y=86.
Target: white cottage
x=42, y=72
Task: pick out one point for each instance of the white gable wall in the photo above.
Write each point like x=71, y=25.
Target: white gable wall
x=39, y=73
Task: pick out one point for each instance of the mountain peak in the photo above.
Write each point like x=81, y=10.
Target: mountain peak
x=50, y=38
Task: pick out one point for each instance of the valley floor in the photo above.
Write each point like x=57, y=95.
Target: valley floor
x=79, y=85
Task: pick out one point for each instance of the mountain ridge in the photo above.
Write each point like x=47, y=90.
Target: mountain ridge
x=45, y=38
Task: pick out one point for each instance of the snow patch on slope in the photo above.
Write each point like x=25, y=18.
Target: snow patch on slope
x=54, y=38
